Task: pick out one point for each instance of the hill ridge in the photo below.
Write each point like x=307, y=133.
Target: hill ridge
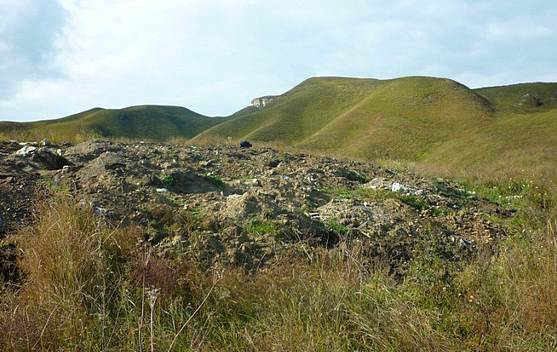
x=428, y=122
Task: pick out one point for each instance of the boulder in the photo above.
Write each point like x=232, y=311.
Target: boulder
x=110, y=161
x=274, y=163
x=50, y=159
x=26, y=151
x=377, y=183
x=398, y=187
x=530, y=100
x=88, y=151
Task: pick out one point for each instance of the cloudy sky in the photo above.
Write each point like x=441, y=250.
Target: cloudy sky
x=58, y=57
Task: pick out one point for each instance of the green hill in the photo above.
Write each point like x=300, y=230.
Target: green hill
x=525, y=97
x=436, y=124
x=147, y=121
x=350, y=114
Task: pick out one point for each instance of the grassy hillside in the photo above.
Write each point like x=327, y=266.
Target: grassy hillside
x=363, y=117
x=526, y=97
x=436, y=124
x=148, y=121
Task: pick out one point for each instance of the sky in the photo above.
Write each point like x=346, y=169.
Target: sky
x=59, y=57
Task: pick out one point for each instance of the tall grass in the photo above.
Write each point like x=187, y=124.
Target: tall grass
x=92, y=286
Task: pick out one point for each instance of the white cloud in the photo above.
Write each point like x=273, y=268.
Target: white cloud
x=215, y=55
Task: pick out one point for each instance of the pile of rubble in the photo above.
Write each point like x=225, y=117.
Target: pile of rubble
x=249, y=207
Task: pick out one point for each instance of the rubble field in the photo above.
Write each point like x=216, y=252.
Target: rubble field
x=250, y=207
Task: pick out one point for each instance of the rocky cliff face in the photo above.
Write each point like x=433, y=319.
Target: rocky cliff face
x=262, y=102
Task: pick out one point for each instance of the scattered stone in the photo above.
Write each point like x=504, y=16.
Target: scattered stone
x=190, y=182
x=250, y=208
x=531, y=100
x=350, y=175
x=465, y=244
x=104, y=212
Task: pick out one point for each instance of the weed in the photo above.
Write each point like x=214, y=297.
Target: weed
x=337, y=227
x=259, y=227
x=168, y=180
x=415, y=202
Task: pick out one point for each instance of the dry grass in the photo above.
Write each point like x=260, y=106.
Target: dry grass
x=90, y=286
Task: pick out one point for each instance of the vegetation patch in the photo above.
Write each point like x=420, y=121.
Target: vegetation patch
x=414, y=202
x=216, y=181
x=260, y=227
x=337, y=227
x=168, y=180
x=380, y=195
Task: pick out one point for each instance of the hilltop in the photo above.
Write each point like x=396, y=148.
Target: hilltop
x=363, y=117
x=435, y=124
x=145, y=121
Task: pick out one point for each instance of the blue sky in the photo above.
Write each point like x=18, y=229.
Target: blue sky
x=59, y=57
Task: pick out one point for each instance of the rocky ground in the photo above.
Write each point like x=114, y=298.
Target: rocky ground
x=250, y=207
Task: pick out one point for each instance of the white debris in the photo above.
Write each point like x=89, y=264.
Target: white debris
x=25, y=151
x=397, y=187
x=162, y=190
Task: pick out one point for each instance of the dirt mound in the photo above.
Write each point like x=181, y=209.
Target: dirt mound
x=251, y=206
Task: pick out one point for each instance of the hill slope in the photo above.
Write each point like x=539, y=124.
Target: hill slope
x=147, y=121
x=338, y=113
x=524, y=97
x=436, y=124
x=431, y=122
